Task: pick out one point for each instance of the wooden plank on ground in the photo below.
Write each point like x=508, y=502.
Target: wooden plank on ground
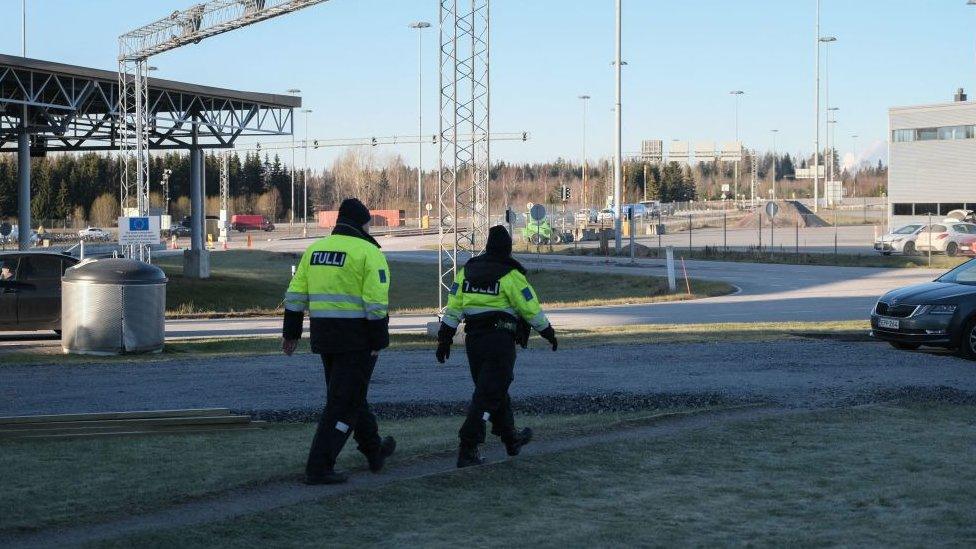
x=146, y=414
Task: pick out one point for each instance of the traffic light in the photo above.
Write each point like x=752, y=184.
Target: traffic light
x=565, y=193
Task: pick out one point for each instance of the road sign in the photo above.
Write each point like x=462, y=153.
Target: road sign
x=772, y=209
x=139, y=230
x=726, y=188
x=537, y=212
x=6, y=229
x=429, y=207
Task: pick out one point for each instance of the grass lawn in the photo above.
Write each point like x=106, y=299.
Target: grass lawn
x=862, y=477
x=58, y=482
x=622, y=335
x=254, y=282
x=786, y=256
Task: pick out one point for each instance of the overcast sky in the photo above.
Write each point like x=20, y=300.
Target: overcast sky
x=356, y=62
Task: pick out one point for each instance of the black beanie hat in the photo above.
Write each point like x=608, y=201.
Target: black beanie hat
x=353, y=211
x=499, y=242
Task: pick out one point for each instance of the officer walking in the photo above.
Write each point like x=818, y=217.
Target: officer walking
x=497, y=304
x=343, y=282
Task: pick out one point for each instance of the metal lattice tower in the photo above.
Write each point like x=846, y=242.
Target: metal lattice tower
x=464, y=152
x=134, y=135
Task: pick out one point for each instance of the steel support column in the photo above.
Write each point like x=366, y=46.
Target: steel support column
x=196, y=260
x=23, y=189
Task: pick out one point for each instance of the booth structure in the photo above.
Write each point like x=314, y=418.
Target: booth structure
x=46, y=106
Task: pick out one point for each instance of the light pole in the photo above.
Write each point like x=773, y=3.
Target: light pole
x=305, y=179
x=618, y=152
x=854, y=168
x=816, y=154
x=293, y=91
x=775, y=162
x=583, y=197
x=735, y=166
x=420, y=26
x=23, y=27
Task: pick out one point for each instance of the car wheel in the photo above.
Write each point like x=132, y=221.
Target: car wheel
x=909, y=248
x=535, y=238
x=904, y=346
x=967, y=341
x=952, y=249
x=885, y=253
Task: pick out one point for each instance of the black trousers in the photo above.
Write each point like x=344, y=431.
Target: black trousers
x=346, y=412
x=491, y=357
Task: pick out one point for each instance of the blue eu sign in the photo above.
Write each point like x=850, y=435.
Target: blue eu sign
x=138, y=223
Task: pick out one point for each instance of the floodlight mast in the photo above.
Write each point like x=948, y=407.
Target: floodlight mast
x=180, y=28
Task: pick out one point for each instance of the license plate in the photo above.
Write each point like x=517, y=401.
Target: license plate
x=888, y=323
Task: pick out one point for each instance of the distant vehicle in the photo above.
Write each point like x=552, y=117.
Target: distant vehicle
x=15, y=236
x=179, y=230
x=244, y=223
x=605, y=214
x=653, y=206
x=941, y=313
x=899, y=241
x=949, y=238
x=586, y=215
x=94, y=233
x=31, y=298
x=639, y=211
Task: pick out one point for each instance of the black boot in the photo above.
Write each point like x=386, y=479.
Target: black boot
x=386, y=449
x=518, y=439
x=468, y=456
x=329, y=476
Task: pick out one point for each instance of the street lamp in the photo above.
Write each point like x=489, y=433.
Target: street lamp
x=293, y=91
x=775, y=162
x=617, y=134
x=583, y=197
x=305, y=179
x=419, y=26
x=816, y=154
x=735, y=174
x=854, y=169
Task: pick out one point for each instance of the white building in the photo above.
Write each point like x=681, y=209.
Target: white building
x=931, y=160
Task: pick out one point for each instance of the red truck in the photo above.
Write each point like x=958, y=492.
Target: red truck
x=243, y=223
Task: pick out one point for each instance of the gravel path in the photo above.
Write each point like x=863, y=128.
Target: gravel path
x=790, y=373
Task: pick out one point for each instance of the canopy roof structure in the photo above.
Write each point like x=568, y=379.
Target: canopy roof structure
x=72, y=108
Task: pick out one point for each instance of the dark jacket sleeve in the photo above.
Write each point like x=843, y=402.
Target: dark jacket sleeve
x=294, y=321
x=378, y=332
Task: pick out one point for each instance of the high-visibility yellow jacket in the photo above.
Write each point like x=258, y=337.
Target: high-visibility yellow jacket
x=343, y=281
x=485, y=294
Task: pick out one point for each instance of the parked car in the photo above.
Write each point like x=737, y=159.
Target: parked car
x=94, y=233
x=899, y=241
x=941, y=313
x=605, y=214
x=638, y=211
x=30, y=290
x=586, y=215
x=14, y=237
x=948, y=238
x=243, y=223
x=178, y=230
x=955, y=216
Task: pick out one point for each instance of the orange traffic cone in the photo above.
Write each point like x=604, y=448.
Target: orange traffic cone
x=248, y=241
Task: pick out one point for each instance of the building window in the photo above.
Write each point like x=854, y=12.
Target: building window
x=944, y=209
x=944, y=133
x=926, y=208
x=902, y=208
x=903, y=136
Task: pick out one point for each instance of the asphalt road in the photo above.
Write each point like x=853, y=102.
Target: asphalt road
x=790, y=372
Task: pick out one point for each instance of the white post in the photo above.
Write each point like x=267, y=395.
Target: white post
x=816, y=152
x=618, y=155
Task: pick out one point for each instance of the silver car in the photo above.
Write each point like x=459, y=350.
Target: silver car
x=899, y=241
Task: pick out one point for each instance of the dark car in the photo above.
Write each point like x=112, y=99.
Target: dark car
x=30, y=290
x=941, y=313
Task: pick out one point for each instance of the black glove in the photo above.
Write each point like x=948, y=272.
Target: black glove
x=443, y=351
x=445, y=337
x=550, y=335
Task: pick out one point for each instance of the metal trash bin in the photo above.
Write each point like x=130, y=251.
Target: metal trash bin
x=113, y=306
